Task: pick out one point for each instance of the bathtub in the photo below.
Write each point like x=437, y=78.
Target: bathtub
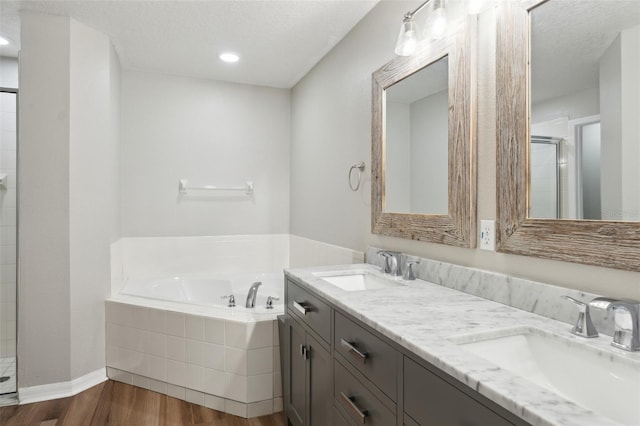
x=175, y=334
x=212, y=291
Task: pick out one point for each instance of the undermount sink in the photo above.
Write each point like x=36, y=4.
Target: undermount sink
x=357, y=280
x=600, y=381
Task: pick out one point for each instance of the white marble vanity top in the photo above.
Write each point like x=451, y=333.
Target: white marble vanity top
x=427, y=319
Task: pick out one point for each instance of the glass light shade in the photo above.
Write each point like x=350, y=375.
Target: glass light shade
x=475, y=6
x=407, y=39
x=436, y=25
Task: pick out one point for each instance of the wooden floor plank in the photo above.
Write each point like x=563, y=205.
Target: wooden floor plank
x=119, y=404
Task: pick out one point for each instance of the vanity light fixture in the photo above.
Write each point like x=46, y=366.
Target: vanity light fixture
x=435, y=28
x=229, y=57
x=3, y=41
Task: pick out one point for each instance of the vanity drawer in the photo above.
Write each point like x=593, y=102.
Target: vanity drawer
x=366, y=352
x=430, y=400
x=356, y=400
x=315, y=313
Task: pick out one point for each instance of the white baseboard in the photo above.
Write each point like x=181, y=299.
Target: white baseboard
x=62, y=389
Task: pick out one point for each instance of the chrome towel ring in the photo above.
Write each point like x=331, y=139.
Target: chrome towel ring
x=360, y=167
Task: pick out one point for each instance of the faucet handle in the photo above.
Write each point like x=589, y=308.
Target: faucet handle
x=409, y=274
x=232, y=300
x=584, y=326
x=270, y=300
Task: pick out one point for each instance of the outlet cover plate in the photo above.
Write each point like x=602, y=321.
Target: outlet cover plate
x=488, y=235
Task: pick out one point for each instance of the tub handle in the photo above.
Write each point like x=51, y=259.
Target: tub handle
x=270, y=300
x=232, y=300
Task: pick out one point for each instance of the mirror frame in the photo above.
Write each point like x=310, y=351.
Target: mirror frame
x=611, y=244
x=458, y=227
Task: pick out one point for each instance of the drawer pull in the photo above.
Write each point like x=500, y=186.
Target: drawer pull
x=300, y=308
x=354, y=352
x=349, y=403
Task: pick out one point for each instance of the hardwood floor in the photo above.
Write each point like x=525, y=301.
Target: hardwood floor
x=115, y=403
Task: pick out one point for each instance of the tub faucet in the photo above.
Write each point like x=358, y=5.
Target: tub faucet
x=626, y=319
x=251, y=296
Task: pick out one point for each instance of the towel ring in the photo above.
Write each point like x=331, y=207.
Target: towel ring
x=360, y=167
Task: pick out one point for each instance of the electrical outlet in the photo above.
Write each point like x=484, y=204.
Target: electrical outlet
x=488, y=235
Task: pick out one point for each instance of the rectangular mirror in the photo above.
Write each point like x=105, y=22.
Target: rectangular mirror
x=585, y=139
x=423, y=142
x=568, y=133
x=417, y=141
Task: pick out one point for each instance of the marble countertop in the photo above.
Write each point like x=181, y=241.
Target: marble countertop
x=427, y=319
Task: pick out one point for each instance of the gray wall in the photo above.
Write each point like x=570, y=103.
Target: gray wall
x=69, y=195
x=210, y=133
x=331, y=121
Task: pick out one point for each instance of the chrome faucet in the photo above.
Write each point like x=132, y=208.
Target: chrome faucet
x=626, y=318
x=584, y=326
x=409, y=273
x=391, y=262
x=251, y=296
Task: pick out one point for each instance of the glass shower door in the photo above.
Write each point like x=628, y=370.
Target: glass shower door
x=8, y=240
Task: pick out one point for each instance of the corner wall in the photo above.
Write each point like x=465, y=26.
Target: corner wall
x=331, y=129
x=68, y=196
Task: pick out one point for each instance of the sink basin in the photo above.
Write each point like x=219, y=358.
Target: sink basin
x=600, y=381
x=358, y=281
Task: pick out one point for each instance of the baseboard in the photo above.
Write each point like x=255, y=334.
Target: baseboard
x=62, y=389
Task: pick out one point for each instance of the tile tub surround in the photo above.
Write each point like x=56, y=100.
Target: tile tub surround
x=427, y=318
x=531, y=296
x=223, y=364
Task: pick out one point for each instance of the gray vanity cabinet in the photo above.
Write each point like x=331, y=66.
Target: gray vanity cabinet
x=307, y=388
x=430, y=400
x=339, y=371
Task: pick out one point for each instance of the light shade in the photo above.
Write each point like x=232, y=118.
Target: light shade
x=408, y=37
x=436, y=25
x=3, y=41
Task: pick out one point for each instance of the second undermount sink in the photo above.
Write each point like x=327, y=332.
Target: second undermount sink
x=600, y=381
x=357, y=280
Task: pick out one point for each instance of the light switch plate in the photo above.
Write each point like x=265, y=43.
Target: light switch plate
x=488, y=235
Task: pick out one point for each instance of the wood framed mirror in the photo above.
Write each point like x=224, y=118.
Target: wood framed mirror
x=611, y=236
x=439, y=207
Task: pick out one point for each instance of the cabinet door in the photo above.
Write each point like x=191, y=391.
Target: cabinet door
x=297, y=376
x=429, y=400
x=320, y=392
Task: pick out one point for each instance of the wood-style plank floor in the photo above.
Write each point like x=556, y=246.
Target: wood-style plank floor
x=115, y=403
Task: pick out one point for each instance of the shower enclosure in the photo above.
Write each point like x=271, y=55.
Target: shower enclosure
x=8, y=240
x=545, y=197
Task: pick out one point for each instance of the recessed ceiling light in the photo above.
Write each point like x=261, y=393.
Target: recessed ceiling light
x=229, y=57
x=3, y=41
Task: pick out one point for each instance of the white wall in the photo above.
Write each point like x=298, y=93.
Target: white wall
x=630, y=45
x=611, y=133
x=68, y=183
x=8, y=72
x=94, y=191
x=44, y=340
x=430, y=154
x=398, y=157
x=211, y=133
x=331, y=122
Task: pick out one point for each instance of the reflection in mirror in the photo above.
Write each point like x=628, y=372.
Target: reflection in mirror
x=416, y=146
x=584, y=152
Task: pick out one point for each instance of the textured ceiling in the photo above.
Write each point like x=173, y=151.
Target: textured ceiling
x=278, y=41
x=568, y=39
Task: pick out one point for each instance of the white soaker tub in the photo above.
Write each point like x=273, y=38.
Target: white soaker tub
x=212, y=291
x=176, y=335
